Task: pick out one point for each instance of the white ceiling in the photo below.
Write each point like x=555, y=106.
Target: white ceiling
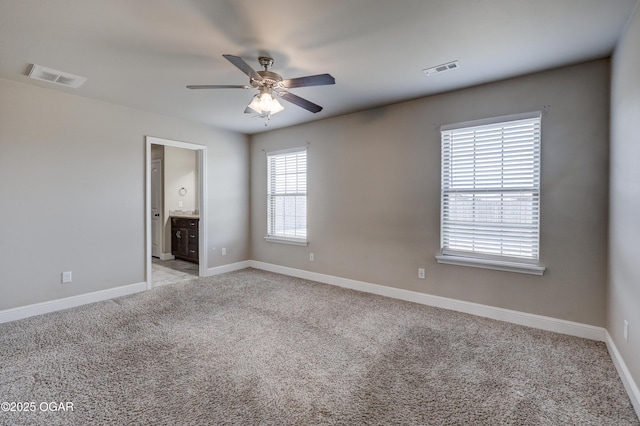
x=142, y=53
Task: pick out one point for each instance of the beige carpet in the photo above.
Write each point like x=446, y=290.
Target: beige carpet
x=251, y=347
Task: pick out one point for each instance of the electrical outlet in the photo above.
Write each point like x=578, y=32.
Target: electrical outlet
x=223, y=251
x=421, y=273
x=626, y=330
x=311, y=257
x=66, y=277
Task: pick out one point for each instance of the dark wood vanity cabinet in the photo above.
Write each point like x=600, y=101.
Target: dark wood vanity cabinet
x=184, y=238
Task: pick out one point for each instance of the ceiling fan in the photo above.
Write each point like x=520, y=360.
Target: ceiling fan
x=271, y=86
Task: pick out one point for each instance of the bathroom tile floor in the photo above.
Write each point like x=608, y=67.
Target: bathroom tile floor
x=172, y=271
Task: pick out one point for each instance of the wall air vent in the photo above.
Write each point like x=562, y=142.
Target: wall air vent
x=441, y=68
x=41, y=73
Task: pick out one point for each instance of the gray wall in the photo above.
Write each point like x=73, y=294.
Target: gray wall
x=72, y=185
x=624, y=239
x=374, y=194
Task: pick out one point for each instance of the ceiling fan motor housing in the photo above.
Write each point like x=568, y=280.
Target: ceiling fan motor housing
x=269, y=79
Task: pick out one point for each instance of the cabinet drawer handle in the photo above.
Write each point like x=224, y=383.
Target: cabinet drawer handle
x=192, y=236
x=178, y=234
x=192, y=251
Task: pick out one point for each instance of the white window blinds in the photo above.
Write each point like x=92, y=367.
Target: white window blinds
x=490, y=205
x=287, y=194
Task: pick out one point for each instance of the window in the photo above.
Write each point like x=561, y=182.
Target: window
x=490, y=194
x=287, y=196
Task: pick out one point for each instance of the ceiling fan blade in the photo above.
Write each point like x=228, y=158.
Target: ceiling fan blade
x=301, y=102
x=243, y=66
x=219, y=86
x=310, y=80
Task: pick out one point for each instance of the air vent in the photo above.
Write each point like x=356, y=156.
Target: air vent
x=41, y=73
x=441, y=68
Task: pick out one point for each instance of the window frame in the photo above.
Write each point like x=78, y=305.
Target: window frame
x=485, y=260
x=273, y=236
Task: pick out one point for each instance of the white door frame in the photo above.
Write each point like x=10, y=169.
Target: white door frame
x=202, y=202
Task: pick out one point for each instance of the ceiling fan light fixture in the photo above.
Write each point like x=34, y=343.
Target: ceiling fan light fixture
x=255, y=104
x=264, y=103
x=276, y=106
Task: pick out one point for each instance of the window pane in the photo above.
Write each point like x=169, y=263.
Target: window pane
x=491, y=190
x=287, y=199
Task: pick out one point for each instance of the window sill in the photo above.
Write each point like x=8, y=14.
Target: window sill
x=282, y=240
x=522, y=268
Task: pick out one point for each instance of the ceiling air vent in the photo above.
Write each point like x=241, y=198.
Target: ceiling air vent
x=50, y=75
x=441, y=68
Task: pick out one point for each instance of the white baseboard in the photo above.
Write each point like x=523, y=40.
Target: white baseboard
x=629, y=384
x=228, y=268
x=521, y=318
x=166, y=256
x=515, y=317
x=21, y=312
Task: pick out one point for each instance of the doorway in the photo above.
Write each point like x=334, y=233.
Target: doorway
x=153, y=223
x=157, y=204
